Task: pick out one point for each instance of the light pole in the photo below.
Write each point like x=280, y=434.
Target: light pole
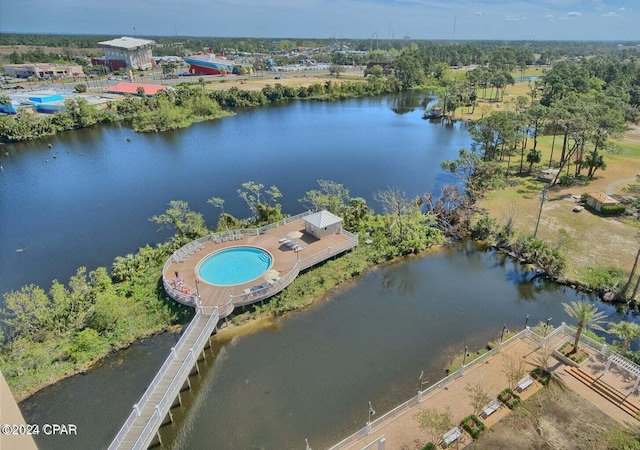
x=197, y=290
x=371, y=413
x=546, y=327
x=526, y=321
x=420, y=382
x=307, y=442
x=504, y=327
x=464, y=357
x=543, y=197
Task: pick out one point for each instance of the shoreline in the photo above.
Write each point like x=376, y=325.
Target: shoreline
x=251, y=323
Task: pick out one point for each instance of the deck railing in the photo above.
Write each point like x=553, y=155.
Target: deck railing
x=224, y=236
x=311, y=260
x=161, y=409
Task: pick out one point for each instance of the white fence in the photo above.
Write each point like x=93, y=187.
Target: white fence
x=563, y=329
x=162, y=407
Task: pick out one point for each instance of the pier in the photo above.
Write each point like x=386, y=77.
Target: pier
x=294, y=244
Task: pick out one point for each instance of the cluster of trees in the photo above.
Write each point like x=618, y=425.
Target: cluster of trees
x=49, y=334
x=573, y=104
x=178, y=108
x=26, y=125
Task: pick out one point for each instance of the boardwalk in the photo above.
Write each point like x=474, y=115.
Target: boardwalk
x=214, y=302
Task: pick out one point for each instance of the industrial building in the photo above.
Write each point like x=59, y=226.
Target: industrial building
x=44, y=71
x=129, y=52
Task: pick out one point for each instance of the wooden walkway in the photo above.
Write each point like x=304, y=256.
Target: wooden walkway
x=141, y=428
x=212, y=302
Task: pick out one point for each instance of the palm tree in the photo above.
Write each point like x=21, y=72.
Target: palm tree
x=587, y=316
x=627, y=331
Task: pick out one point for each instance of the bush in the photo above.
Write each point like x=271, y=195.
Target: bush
x=612, y=210
x=541, y=375
x=472, y=425
x=80, y=88
x=598, y=278
x=429, y=446
x=509, y=398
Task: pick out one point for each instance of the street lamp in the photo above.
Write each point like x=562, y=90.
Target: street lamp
x=307, y=442
x=464, y=357
x=504, y=327
x=547, y=326
x=371, y=413
x=420, y=382
x=526, y=321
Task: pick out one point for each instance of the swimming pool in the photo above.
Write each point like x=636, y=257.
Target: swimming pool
x=234, y=265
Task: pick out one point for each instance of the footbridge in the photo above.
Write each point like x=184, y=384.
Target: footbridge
x=294, y=243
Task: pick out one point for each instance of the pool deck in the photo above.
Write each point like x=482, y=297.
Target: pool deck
x=286, y=262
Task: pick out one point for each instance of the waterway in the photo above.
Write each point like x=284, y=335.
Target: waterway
x=310, y=374
x=92, y=201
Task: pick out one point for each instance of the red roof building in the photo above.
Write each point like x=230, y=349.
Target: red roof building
x=132, y=88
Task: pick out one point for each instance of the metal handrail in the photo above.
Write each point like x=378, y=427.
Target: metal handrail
x=163, y=406
x=261, y=292
x=334, y=250
x=165, y=366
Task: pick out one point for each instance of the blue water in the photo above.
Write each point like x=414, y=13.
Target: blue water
x=235, y=265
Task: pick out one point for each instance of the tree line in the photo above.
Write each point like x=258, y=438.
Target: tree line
x=49, y=334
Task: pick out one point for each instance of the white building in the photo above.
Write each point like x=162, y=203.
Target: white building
x=322, y=224
x=136, y=53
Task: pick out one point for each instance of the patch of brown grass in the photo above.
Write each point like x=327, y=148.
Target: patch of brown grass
x=554, y=417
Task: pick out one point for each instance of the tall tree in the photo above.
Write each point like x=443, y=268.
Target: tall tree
x=181, y=220
x=627, y=331
x=587, y=316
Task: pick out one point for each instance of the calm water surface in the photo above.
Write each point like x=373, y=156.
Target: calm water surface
x=93, y=201
x=311, y=374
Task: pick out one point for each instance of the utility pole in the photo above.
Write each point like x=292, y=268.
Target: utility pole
x=543, y=197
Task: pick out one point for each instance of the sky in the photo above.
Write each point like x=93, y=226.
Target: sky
x=617, y=20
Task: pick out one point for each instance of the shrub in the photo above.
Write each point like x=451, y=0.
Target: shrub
x=603, y=277
x=541, y=375
x=612, y=210
x=509, y=398
x=472, y=425
x=429, y=446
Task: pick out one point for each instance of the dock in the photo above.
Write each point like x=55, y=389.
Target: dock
x=310, y=246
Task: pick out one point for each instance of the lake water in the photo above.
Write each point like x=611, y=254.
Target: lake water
x=311, y=374
x=92, y=202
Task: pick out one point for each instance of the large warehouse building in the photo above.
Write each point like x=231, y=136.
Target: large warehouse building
x=131, y=52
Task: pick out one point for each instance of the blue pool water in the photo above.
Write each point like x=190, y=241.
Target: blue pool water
x=235, y=265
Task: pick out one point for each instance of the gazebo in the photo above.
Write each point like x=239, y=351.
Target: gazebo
x=322, y=223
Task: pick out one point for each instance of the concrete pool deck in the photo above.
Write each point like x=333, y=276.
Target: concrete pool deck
x=286, y=263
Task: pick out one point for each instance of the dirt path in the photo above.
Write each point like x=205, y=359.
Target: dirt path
x=611, y=188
